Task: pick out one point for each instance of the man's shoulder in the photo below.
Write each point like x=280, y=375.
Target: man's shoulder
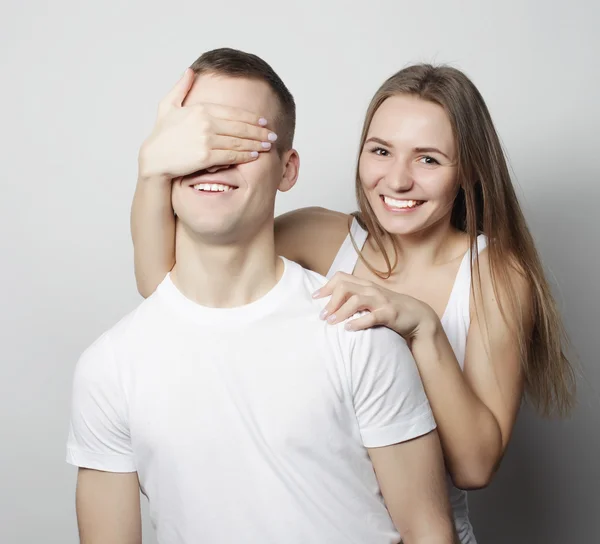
x=132, y=327
x=380, y=337
x=306, y=283
x=374, y=345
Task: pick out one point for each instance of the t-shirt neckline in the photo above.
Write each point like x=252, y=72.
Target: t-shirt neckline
x=256, y=309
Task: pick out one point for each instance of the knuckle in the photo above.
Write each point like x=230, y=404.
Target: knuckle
x=372, y=291
x=205, y=126
x=354, y=300
x=244, y=130
x=338, y=299
x=203, y=155
x=388, y=311
x=339, y=293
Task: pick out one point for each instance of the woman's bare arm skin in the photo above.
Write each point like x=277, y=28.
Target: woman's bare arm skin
x=153, y=234
x=311, y=236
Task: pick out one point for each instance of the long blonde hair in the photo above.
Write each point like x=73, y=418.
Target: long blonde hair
x=486, y=203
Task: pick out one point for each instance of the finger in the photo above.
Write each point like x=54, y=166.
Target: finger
x=229, y=113
x=237, y=144
x=219, y=157
x=364, y=322
x=376, y=317
x=355, y=304
x=324, y=291
x=177, y=94
x=339, y=296
x=335, y=280
x=240, y=129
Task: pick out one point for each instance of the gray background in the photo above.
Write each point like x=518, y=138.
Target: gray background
x=80, y=85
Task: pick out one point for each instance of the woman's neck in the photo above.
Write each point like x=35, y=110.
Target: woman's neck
x=434, y=246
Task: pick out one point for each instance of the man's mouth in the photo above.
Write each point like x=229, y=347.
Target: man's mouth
x=213, y=187
x=398, y=204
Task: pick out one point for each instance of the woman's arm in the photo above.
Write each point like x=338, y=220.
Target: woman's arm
x=153, y=233
x=311, y=236
x=476, y=409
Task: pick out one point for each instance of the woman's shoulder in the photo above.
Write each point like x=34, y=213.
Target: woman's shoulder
x=500, y=284
x=311, y=236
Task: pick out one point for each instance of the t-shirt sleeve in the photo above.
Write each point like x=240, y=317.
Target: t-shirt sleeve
x=389, y=399
x=99, y=432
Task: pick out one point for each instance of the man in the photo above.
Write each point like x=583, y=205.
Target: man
x=240, y=414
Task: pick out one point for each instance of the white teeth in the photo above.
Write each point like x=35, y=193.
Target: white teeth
x=403, y=204
x=213, y=187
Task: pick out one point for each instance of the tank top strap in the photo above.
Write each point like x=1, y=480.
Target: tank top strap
x=461, y=290
x=347, y=257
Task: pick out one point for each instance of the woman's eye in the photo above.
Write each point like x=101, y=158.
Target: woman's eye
x=380, y=151
x=428, y=160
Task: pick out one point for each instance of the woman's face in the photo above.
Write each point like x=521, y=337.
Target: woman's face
x=408, y=165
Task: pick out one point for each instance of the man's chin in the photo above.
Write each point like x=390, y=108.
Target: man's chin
x=209, y=231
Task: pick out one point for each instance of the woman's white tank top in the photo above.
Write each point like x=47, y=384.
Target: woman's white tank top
x=455, y=321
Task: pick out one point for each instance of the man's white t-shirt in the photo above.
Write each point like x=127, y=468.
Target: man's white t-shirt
x=248, y=424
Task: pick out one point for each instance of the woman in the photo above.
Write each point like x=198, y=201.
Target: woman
x=439, y=252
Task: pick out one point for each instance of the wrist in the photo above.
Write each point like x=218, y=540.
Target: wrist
x=154, y=190
x=159, y=181
x=147, y=171
x=429, y=327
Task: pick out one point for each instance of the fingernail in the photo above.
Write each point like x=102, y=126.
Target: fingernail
x=331, y=318
x=323, y=314
x=316, y=293
x=254, y=154
x=272, y=136
x=266, y=145
x=262, y=122
x=348, y=326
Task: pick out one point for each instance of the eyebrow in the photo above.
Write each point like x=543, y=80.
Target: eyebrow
x=430, y=150
x=416, y=149
x=379, y=141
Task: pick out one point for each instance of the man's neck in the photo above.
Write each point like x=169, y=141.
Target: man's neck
x=226, y=276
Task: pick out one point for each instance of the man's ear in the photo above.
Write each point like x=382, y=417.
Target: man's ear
x=291, y=167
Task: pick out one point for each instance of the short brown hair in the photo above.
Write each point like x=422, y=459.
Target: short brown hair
x=233, y=63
